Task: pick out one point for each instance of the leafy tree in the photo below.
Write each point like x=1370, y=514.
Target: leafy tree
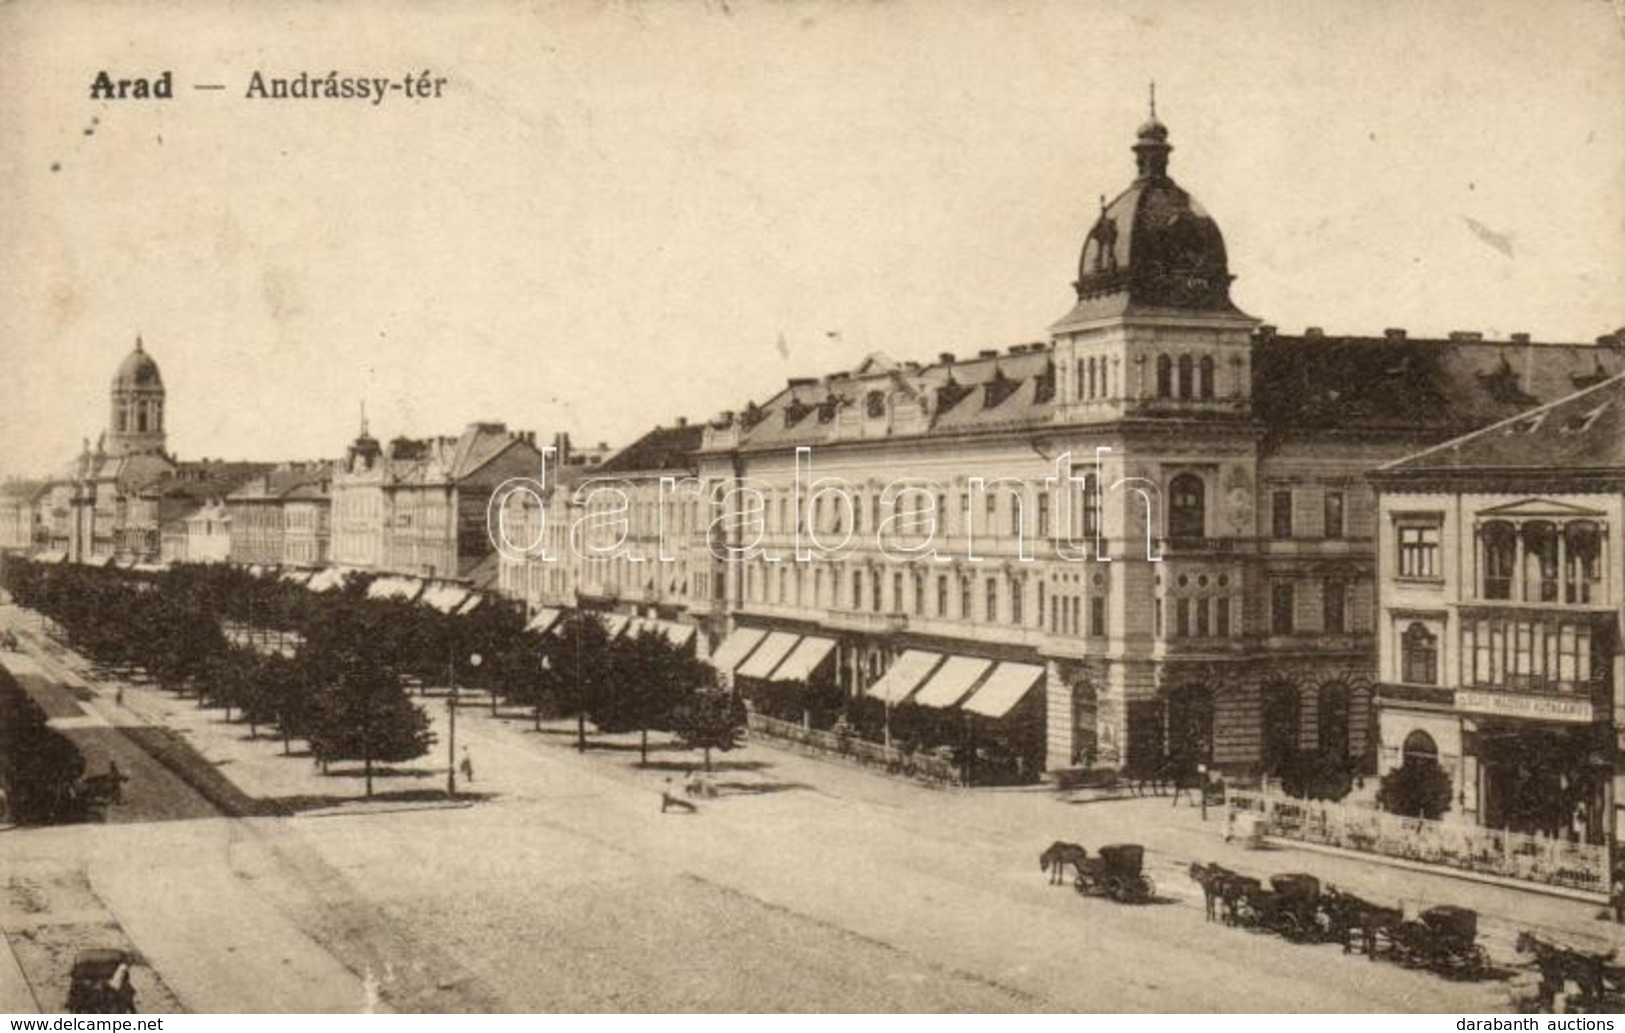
x=650, y=678
x=363, y=713
x=1316, y=776
x=1418, y=789
x=38, y=765
x=579, y=669
x=711, y=720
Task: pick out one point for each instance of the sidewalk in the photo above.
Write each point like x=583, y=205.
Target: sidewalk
x=505, y=752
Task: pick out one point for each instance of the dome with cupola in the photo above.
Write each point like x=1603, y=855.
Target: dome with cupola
x=136, y=419
x=1153, y=247
x=137, y=370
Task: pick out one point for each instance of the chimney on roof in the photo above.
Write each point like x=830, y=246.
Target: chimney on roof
x=946, y=358
x=988, y=353
x=1395, y=333
x=1466, y=335
x=1314, y=332
x=1266, y=332
x=1520, y=338
x=561, y=447
x=681, y=421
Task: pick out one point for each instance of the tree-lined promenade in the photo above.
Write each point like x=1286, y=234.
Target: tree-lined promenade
x=344, y=689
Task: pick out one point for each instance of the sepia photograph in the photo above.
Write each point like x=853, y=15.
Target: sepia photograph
x=791, y=507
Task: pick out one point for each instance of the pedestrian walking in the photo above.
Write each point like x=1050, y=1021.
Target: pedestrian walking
x=118, y=696
x=467, y=766
x=669, y=800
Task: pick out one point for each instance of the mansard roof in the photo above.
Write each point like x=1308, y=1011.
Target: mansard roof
x=1452, y=385
x=664, y=448
x=1312, y=384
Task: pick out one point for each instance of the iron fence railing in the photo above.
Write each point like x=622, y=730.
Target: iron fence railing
x=1512, y=855
x=926, y=766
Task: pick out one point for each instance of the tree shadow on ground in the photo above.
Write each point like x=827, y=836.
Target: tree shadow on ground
x=757, y=788
x=632, y=747
x=697, y=763
x=300, y=803
x=381, y=771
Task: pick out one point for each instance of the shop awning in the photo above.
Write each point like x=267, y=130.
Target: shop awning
x=733, y=650
x=326, y=579
x=952, y=682
x=1004, y=688
x=445, y=598
x=99, y=561
x=768, y=655
x=403, y=588
x=470, y=604
x=804, y=659
x=544, y=619
x=905, y=673
x=615, y=623
x=54, y=556
x=676, y=633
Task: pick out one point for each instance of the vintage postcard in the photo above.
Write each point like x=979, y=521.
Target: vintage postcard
x=797, y=507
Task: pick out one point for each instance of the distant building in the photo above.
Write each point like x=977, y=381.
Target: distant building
x=21, y=527
x=420, y=507
x=591, y=502
x=261, y=510
x=1502, y=598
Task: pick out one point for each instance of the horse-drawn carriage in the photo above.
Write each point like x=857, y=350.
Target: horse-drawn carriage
x=90, y=796
x=99, y=983
x=1358, y=924
x=1599, y=984
x=1118, y=872
x=1291, y=907
x=1443, y=939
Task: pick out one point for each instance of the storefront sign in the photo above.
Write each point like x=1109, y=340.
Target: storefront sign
x=1536, y=708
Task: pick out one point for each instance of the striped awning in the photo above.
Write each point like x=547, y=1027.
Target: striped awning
x=676, y=633
x=1004, y=688
x=768, y=655
x=733, y=650
x=615, y=623
x=804, y=659
x=544, y=619
x=953, y=681
x=470, y=604
x=904, y=675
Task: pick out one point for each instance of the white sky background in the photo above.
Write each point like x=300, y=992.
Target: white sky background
x=616, y=210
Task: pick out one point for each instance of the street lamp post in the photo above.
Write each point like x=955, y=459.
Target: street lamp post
x=451, y=712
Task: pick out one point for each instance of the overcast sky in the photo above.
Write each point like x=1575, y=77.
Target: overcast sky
x=616, y=211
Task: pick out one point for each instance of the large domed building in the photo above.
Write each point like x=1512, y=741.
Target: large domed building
x=136, y=421
x=1152, y=537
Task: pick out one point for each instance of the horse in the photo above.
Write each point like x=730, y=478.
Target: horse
x=1057, y=857
x=1222, y=891
x=1559, y=965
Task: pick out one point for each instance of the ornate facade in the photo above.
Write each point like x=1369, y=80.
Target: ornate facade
x=1153, y=534
x=1501, y=608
